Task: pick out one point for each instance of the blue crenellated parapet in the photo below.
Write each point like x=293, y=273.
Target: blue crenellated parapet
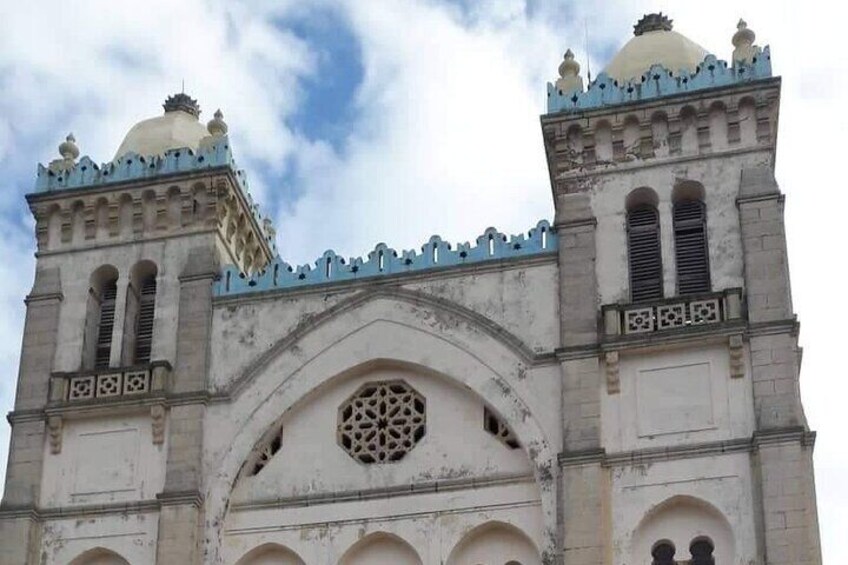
x=130, y=167
x=214, y=151
x=385, y=261
x=659, y=82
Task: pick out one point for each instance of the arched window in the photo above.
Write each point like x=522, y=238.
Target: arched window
x=644, y=252
x=702, y=552
x=690, y=247
x=100, y=318
x=663, y=553
x=141, y=307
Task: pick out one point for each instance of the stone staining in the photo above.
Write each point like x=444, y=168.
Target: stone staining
x=382, y=421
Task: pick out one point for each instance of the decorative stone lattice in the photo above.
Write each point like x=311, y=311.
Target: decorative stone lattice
x=705, y=311
x=265, y=451
x=136, y=382
x=81, y=388
x=639, y=320
x=108, y=385
x=382, y=422
x=498, y=428
x=671, y=316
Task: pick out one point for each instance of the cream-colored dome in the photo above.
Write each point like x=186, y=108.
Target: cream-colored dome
x=655, y=43
x=178, y=127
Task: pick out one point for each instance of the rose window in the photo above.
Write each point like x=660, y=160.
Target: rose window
x=382, y=421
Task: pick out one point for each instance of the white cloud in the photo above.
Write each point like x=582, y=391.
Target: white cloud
x=446, y=138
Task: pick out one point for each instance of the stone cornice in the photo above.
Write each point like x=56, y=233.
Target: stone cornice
x=444, y=485
x=688, y=451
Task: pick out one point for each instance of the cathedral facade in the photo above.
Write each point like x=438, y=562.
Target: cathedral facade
x=618, y=386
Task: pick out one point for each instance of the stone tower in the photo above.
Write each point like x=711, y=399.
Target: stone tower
x=619, y=388
x=675, y=290
x=144, y=233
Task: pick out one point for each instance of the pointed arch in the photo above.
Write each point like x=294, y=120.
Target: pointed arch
x=435, y=303
x=683, y=522
x=495, y=542
x=381, y=548
x=99, y=556
x=389, y=326
x=270, y=554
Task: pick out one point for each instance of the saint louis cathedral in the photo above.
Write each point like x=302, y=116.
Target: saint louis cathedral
x=618, y=385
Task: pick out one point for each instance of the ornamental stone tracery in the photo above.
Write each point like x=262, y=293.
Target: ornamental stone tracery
x=382, y=421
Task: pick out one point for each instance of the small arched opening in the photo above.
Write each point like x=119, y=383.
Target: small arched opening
x=140, y=314
x=100, y=317
x=644, y=251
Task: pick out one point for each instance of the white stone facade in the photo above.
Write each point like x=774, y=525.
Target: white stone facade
x=527, y=416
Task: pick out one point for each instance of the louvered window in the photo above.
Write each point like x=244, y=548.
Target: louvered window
x=643, y=246
x=106, y=325
x=690, y=247
x=144, y=323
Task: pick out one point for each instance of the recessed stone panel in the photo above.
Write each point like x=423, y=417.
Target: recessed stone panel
x=674, y=399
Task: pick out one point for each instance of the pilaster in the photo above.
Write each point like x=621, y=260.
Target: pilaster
x=20, y=530
x=584, y=498
x=783, y=459
x=180, y=534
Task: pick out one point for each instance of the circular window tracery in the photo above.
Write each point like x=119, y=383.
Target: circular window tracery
x=382, y=421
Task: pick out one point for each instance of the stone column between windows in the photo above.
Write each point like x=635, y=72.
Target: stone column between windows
x=20, y=528
x=584, y=494
x=181, y=516
x=784, y=444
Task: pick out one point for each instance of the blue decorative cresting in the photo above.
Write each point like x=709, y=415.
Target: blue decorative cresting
x=384, y=261
x=129, y=167
x=659, y=82
x=214, y=151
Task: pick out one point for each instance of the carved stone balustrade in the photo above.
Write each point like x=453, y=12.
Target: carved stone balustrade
x=108, y=391
x=669, y=314
x=109, y=384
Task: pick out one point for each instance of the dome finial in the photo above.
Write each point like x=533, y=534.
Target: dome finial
x=217, y=126
x=569, y=72
x=182, y=102
x=652, y=22
x=743, y=41
x=68, y=149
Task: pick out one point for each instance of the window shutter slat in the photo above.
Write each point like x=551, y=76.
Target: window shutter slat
x=144, y=323
x=106, y=326
x=644, y=254
x=690, y=247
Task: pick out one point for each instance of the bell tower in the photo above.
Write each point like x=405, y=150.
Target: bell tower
x=116, y=342
x=677, y=326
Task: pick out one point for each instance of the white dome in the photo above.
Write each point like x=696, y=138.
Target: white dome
x=656, y=46
x=178, y=127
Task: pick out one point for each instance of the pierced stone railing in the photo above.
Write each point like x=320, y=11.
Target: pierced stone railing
x=110, y=383
x=672, y=313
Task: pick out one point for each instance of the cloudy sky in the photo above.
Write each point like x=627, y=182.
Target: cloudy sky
x=369, y=120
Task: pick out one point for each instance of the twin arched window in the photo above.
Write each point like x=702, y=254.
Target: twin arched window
x=701, y=551
x=644, y=247
x=138, y=322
